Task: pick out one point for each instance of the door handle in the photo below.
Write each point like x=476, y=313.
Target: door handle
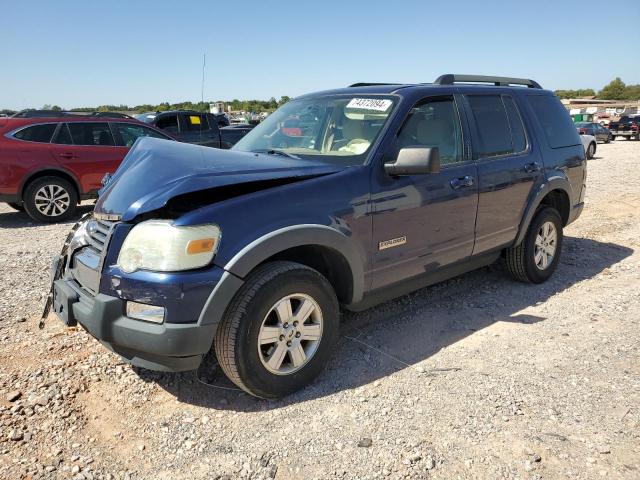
x=532, y=167
x=461, y=182
x=67, y=155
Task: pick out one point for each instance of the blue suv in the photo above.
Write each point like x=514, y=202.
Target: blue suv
x=340, y=199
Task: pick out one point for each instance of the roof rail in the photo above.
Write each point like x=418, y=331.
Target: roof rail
x=451, y=78
x=368, y=84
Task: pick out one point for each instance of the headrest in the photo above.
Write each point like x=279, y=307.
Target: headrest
x=432, y=132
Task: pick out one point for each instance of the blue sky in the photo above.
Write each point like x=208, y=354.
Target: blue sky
x=85, y=53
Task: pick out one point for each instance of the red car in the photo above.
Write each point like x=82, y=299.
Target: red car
x=47, y=165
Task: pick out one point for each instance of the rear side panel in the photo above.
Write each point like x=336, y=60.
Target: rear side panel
x=563, y=154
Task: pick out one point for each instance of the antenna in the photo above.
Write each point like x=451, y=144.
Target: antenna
x=204, y=63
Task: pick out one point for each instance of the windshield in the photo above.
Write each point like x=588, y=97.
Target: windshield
x=583, y=124
x=145, y=117
x=337, y=129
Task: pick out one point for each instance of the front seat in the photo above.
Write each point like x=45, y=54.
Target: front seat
x=353, y=137
x=437, y=133
x=105, y=138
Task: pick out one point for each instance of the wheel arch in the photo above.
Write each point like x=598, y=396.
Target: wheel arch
x=555, y=193
x=323, y=248
x=49, y=172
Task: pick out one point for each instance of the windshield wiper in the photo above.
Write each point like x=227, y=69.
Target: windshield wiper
x=276, y=152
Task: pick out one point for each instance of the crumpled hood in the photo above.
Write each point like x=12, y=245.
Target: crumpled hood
x=156, y=170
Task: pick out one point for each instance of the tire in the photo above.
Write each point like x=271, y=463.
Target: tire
x=522, y=260
x=16, y=206
x=41, y=189
x=252, y=311
x=591, y=150
x=608, y=140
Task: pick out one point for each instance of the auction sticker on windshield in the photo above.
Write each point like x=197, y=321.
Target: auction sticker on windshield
x=378, y=105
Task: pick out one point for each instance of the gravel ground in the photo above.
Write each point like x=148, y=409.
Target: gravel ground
x=477, y=377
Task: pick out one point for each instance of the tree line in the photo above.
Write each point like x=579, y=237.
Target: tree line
x=614, y=90
x=256, y=106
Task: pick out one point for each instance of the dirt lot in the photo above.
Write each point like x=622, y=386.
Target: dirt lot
x=477, y=377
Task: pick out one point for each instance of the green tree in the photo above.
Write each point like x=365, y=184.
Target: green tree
x=615, y=90
x=632, y=92
x=284, y=99
x=581, y=93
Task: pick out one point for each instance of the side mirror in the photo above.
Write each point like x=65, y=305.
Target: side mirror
x=415, y=161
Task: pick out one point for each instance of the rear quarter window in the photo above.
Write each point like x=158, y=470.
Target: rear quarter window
x=554, y=120
x=36, y=133
x=194, y=122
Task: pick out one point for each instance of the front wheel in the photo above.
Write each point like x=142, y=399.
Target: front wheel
x=537, y=256
x=591, y=150
x=279, y=330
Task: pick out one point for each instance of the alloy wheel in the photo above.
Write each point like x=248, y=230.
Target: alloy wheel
x=290, y=334
x=52, y=200
x=545, y=246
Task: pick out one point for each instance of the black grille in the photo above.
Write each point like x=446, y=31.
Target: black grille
x=99, y=233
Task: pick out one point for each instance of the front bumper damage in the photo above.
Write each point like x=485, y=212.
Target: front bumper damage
x=164, y=347
x=194, y=303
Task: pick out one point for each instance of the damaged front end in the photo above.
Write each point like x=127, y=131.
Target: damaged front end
x=135, y=277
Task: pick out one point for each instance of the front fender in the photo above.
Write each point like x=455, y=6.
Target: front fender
x=556, y=182
x=285, y=238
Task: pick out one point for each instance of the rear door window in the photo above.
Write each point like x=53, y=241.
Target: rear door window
x=554, y=120
x=91, y=134
x=518, y=136
x=63, y=137
x=128, y=133
x=492, y=125
x=36, y=133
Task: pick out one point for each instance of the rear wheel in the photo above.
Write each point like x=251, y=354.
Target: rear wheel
x=279, y=330
x=50, y=199
x=16, y=206
x=536, y=258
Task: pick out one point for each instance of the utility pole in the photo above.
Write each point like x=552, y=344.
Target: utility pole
x=204, y=63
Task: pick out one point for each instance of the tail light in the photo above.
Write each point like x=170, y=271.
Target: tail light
x=634, y=126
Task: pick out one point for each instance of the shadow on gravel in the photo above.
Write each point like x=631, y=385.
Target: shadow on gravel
x=15, y=219
x=402, y=332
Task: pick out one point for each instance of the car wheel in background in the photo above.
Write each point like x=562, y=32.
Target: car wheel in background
x=279, y=330
x=16, y=206
x=50, y=199
x=608, y=140
x=591, y=150
x=537, y=256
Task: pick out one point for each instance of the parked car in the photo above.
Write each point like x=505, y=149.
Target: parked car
x=589, y=143
x=628, y=127
x=194, y=127
x=47, y=165
x=602, y=134
x=386, y=189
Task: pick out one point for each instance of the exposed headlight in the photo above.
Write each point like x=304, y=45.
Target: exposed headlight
x=160, y=246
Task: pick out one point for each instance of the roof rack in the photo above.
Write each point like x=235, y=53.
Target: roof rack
x=368, y=84
x=34, y=113
x=451, y=78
